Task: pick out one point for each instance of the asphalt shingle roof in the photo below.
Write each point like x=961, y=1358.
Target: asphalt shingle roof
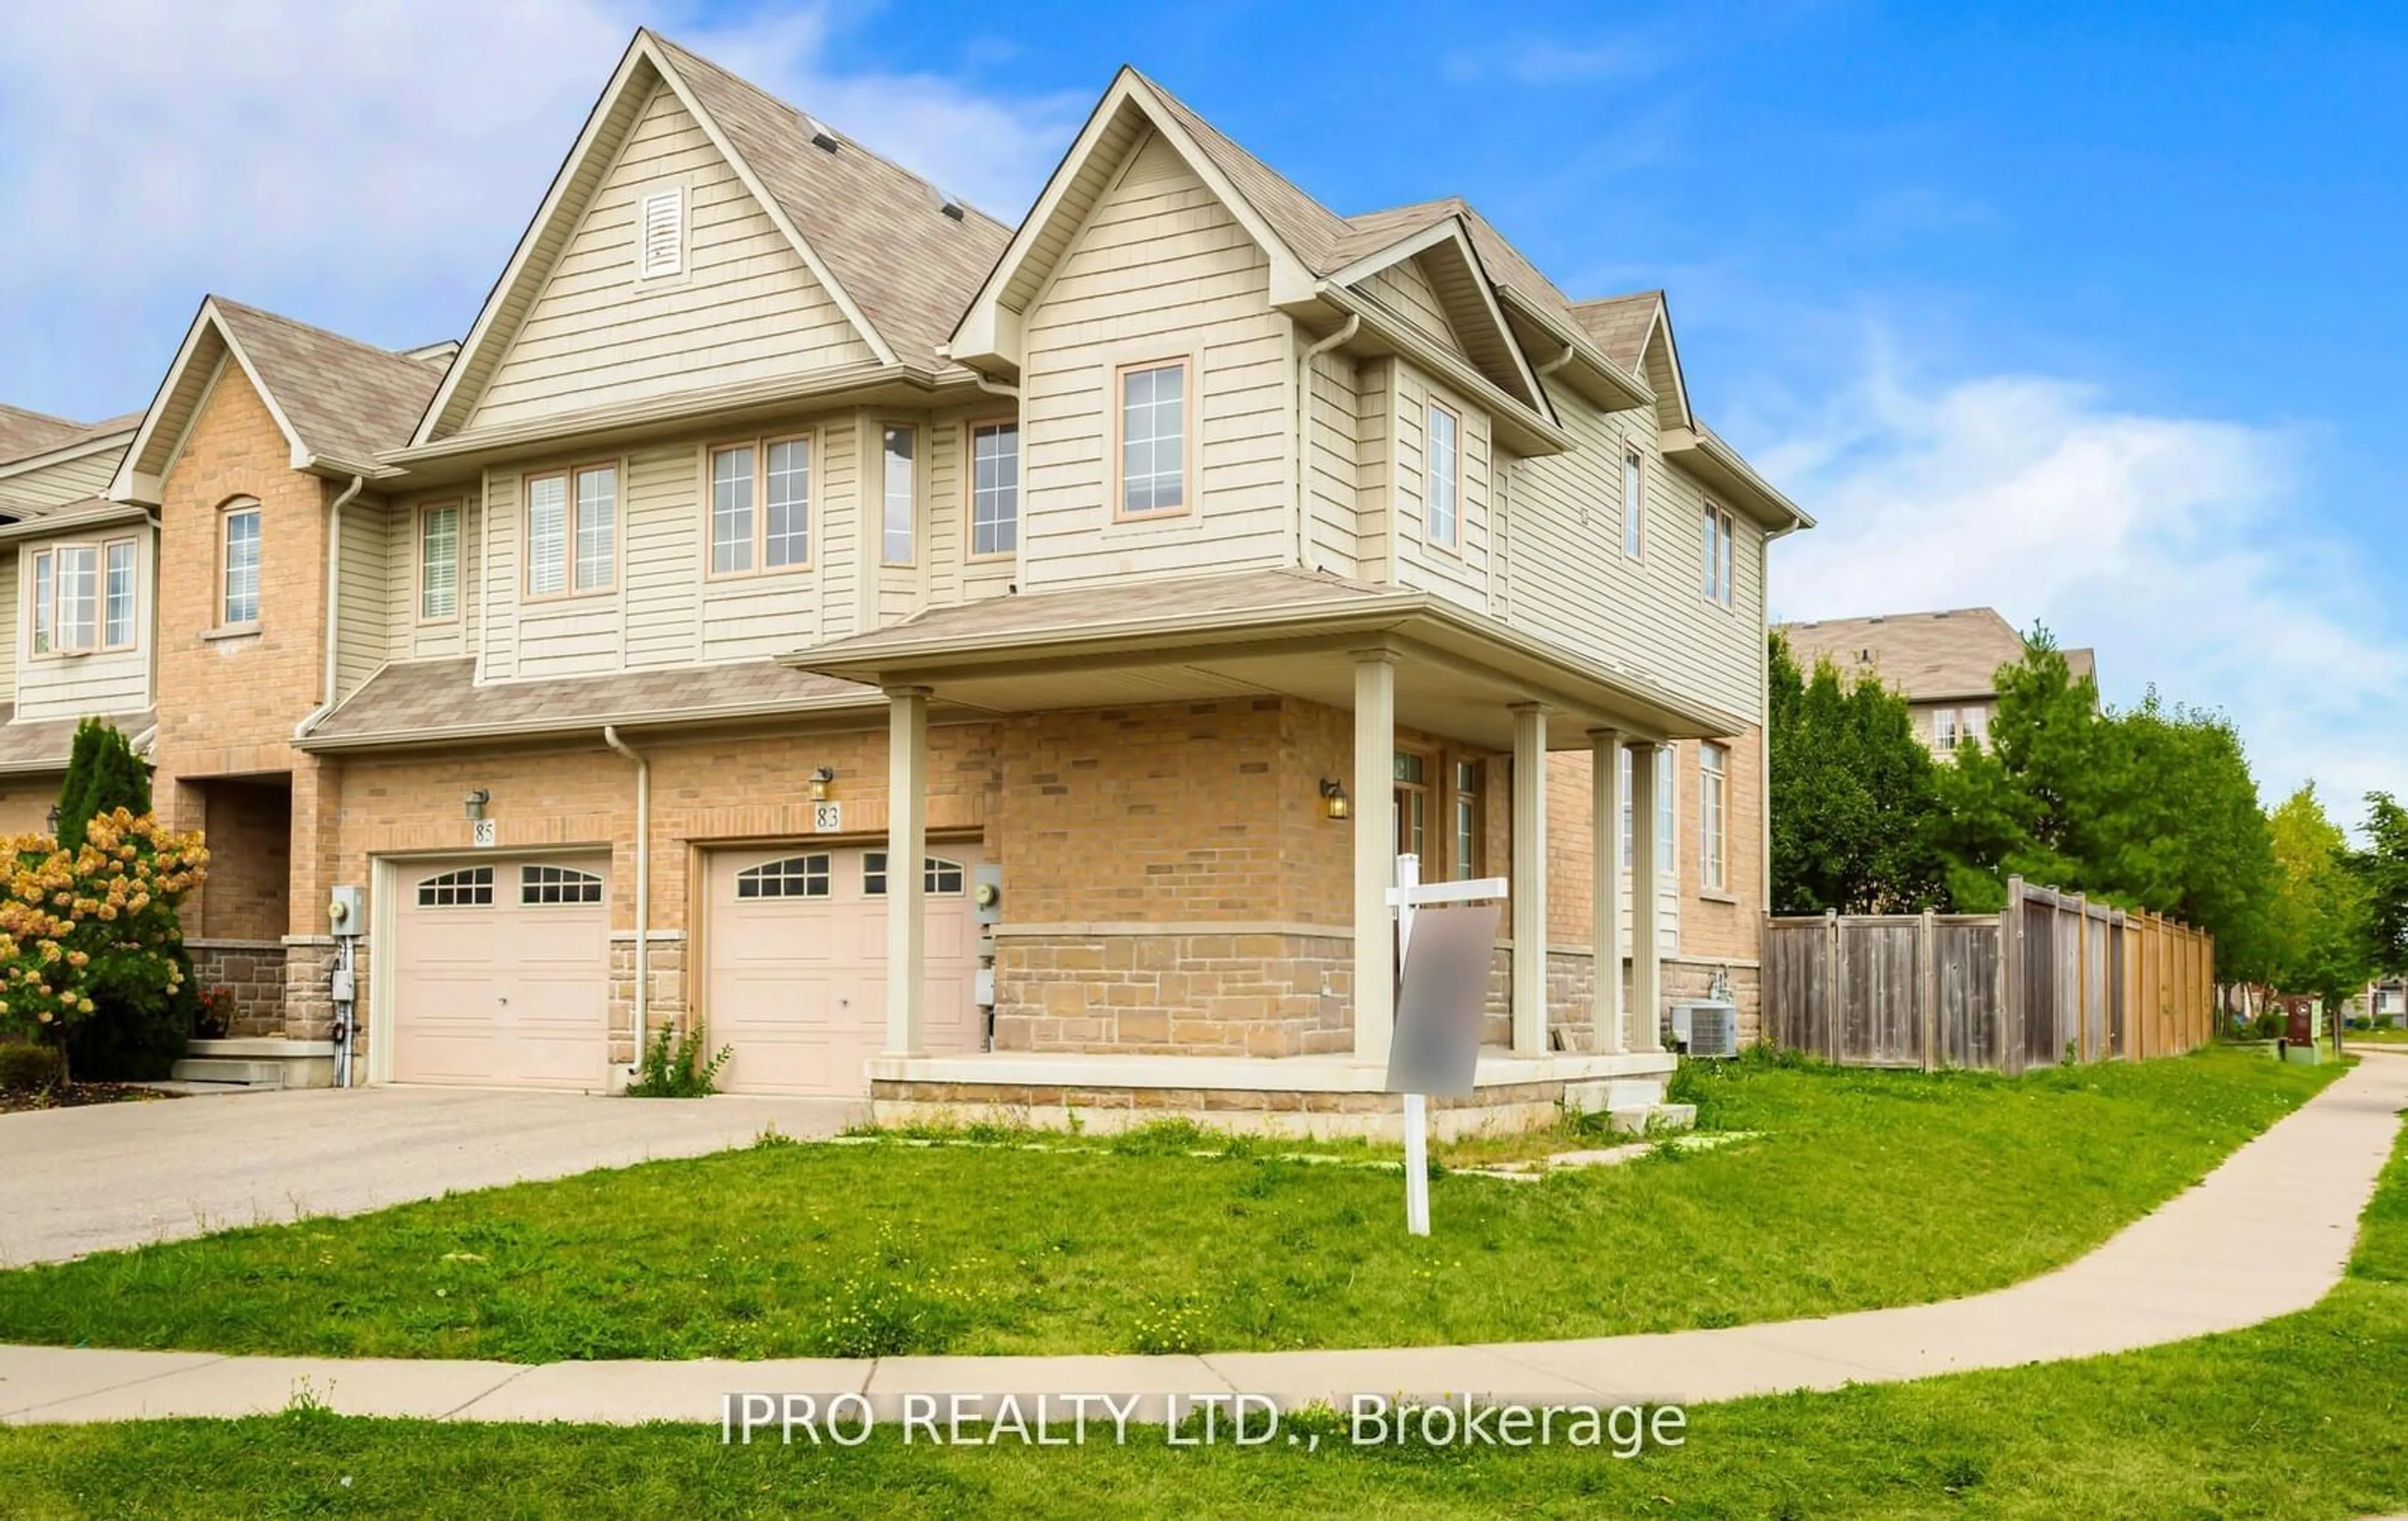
x=1926, y=656
x=348, y=400
x=24, y=433
x=45, y=744
x=423, y=696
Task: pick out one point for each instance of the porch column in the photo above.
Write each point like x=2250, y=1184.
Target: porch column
x=1646, y=955
x=1375, y=851
x=1605, y=890
x=1529, y=885
x=907, y=847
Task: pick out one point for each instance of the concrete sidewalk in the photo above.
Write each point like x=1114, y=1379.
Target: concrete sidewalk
x=2266, y=1234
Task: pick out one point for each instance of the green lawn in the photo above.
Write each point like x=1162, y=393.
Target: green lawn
x=2297, y=1420
x=1862, y=1189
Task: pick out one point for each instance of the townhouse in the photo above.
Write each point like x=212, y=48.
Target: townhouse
x=1945, y=664
x=963, y=664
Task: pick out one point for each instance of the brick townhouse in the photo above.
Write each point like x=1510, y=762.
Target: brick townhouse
x=1152, y=574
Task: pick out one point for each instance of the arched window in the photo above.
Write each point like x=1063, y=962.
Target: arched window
x=542, y=884
x=938, y=878
x=239, y=555
x=469, y=887
x=795, y=876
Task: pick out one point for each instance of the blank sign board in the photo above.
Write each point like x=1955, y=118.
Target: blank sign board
x=1436, y=1048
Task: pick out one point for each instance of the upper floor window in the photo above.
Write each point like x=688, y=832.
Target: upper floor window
x=1154, y=440
x=1714, y=817
x=238, y=563
x=760, y=505
x=75, y=607
x=1633, y=504
x=994, y=488
x=1716, y=544
x=1445, y=465
x=1943, y=729
x=439, y=564
x=902, y=500
x=572, y=530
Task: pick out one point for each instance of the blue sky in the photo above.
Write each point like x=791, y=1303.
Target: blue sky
x=2089, y=314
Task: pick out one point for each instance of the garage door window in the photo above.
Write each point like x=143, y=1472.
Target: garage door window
x=471, y=887
x=939, y=877
x=796, y=876
x=542, y=884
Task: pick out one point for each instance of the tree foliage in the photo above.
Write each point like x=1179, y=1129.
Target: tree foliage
x=103, y=774
x=1853, y=802
x=2317, y=935
x=2382, y=870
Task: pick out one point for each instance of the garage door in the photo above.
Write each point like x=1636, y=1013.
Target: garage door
x=796, y=947
x=499, y=972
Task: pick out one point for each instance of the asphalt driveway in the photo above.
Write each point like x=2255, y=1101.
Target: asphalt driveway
x=115, y=1175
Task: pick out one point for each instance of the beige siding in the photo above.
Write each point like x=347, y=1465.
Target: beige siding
x=1375, y=492
x=1573, y=584
x=407, y=636
x=364, y=603
x=1459, y=572
x=745, y=308
x=1161, y=270
x=100, y=682
x=498, y=584
x=1333, y=536
x=68, y=480
x=1403, y=289
x=662, y=555
x=10, y=647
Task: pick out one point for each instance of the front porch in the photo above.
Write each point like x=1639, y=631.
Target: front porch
x=1271, y=1005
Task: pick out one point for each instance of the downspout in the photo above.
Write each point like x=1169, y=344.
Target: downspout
x=1303, y=428
x=334, y=602
x=643, y=880
x=1559, y=361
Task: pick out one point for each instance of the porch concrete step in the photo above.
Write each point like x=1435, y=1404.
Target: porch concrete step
x=230, y=1069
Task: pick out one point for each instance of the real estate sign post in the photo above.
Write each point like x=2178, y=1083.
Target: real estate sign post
x=1446, y=934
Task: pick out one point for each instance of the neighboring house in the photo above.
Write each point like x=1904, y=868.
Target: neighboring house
x=1946, y=665
x=1148, y=576
x=76, y=570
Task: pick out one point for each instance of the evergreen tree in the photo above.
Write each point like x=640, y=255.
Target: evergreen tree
x=103, y=773
x=1851, y=797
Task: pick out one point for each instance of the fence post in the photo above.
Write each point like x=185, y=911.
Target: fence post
x=1833, y=999
x=1929, y=991
x=2082, y=977
x=2011, y=978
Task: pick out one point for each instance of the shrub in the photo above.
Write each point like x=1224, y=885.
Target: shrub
x=27, y=1069
x=94, y=928
x=674, y=1067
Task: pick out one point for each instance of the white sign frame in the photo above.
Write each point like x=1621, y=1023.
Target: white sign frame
x=1405, y=897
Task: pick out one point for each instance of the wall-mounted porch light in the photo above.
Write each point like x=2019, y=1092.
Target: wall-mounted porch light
x=821, y=779
x=475, y=803
x=1333, y=799
x=54, y=818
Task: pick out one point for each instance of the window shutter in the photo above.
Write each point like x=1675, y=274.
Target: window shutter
x=660, y=247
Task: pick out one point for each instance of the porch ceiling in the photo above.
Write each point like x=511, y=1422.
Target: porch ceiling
x=1257, y=634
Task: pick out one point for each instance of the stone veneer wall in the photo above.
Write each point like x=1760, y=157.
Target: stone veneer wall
x=253, y=972
x=1189, y=991
x=309, y=996
x=666, y=1002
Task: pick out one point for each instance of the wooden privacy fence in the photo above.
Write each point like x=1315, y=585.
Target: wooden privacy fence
x=2052, y=975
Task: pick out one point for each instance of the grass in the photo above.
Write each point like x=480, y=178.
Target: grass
x=1862, y=1189
x=2295, y=1420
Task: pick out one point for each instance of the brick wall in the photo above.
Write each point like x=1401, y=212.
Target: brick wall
x=25, y=806
x=247, y=896
x=1188, y=993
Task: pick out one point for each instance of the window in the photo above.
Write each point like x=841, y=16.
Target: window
x=1154, y=440
x=1943, y=729
x=901, y=503
x=547, y=884
x=1467, y=819
x=42, y=603
x=994, y=488
x=796, y=876
x=1714, y=817
x=731, y=510
x=787, y=527
x=1632, y=492
x=439, y=564
x=660, y=246
x=938, y=877
x=1413, y=805
x=239, y=581
x=1445, y=468
x=471, y=887
x=579, y=551
x=117, y=597
x=1975, y=722
x=1716, y=544
x=1665, y=759
x=76, y=603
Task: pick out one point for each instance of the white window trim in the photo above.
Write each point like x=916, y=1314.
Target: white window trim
x=1190, y=418
x=225, y=570
x=1452, y=540
x=673, y=266
x=1634, y=502
x=918, y=485
x=970, y=430
x=459, y=560
x=1714, y=819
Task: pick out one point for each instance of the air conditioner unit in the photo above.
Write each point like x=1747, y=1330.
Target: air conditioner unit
x=1703, y=1028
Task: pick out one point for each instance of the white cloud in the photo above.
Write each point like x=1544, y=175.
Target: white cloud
x=2185, y=549
x=369, y=166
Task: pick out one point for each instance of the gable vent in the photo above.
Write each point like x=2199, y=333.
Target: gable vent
x=660, y=243
x=822, y=136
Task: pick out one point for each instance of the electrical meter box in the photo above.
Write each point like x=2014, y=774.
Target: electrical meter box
x=347, y=912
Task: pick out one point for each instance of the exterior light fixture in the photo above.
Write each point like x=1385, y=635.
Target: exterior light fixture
x=54, y=818
x=475, y=803
x=1333, y=799
x=822, y=777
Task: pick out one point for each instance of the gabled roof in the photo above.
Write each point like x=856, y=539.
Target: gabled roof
x=338, y=402
x=877, y=237
x=1621, y=325
x=24, y=433
x=1924, y=656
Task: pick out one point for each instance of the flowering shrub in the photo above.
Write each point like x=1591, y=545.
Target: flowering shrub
x=83, y=923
